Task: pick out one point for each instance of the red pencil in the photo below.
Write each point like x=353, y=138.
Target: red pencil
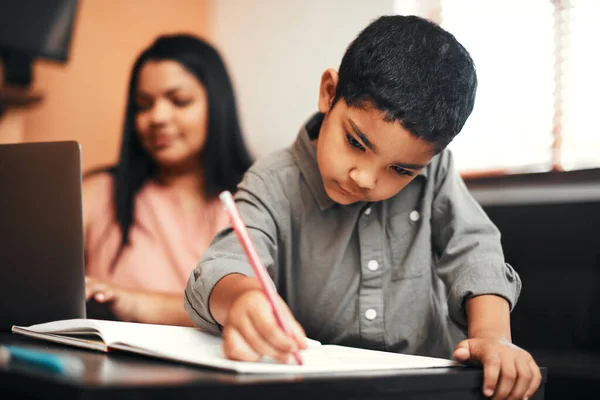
x=259, y=269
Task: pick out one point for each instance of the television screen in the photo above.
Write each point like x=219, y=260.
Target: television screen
x=37, y=28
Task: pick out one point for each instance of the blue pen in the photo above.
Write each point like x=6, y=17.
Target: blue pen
x=49, y=362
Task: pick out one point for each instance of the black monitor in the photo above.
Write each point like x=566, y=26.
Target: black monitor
x=31, y=29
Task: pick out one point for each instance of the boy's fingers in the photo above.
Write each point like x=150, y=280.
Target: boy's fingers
x=236, y=348
x=491, y=371
x=536, y=379
x=508, y=376
x=267, y=327
x=462, y=345
x=463, y=354
x=524, y=377
x=257, y=342
x=461, y=351
x=299, y=334
x=297, y=329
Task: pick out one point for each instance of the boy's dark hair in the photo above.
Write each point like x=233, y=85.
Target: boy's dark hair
x=415, y=72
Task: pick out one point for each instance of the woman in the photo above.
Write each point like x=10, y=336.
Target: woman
x=148, y=219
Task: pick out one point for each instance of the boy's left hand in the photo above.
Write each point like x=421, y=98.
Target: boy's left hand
x=509, y=372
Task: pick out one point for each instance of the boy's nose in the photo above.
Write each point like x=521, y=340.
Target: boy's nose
x=363, y=178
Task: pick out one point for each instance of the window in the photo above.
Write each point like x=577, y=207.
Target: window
x=581, y=81
x=538, y=83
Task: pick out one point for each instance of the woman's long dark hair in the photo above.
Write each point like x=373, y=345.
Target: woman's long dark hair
x=224, y=158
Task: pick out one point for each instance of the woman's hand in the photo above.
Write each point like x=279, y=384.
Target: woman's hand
x=138, y=306
x=125, y=304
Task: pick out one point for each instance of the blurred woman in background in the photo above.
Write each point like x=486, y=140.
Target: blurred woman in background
x=149, y=219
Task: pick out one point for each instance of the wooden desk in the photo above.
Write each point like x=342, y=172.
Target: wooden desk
x=128, y=376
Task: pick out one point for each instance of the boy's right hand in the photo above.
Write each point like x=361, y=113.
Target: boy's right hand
x=251, y=330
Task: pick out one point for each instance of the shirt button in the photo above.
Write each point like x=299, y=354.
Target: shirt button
x=414, y=216
x=371, y=314
x=373, y=265
x=368, y=211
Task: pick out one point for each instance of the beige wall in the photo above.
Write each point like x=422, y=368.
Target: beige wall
x=85, y=98
x=277, y=73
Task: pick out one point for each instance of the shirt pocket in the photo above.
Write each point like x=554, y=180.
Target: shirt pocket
x=409, y=244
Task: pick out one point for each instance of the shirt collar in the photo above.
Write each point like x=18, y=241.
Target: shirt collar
x=424, y=172
x=306, y=158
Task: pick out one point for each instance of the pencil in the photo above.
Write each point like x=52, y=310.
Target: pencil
x=259, y=269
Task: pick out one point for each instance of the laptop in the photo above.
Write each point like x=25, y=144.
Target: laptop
x=42, y=269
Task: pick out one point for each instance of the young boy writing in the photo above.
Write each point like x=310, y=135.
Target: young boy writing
x=366, y=228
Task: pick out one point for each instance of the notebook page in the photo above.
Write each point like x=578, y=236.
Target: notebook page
x=316, y=359
x=190, y=345
x=331, y=358
x=182, y=344
x=131, y=334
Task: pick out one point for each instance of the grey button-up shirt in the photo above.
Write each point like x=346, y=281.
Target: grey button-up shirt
x=391, y=275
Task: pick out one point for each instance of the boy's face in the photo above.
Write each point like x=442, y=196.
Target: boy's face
x=362, y=157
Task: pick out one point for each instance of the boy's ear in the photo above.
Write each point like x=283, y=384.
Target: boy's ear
x=329, y=81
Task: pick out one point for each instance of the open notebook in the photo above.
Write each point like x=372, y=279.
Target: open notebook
x=192, y=346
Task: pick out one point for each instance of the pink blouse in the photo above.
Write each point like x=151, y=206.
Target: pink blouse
x=165, y=246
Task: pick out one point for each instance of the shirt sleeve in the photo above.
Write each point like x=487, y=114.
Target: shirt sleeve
x=470, y=259
x=226, y=256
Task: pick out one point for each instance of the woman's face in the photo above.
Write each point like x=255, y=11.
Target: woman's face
x=172, y=114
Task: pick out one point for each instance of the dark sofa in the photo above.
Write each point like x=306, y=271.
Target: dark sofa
x=550, y=226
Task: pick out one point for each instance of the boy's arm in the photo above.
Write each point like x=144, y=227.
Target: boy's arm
x=226, y=292
x=470, y=259
x=225, y=257
x=489, y=317
x=508, y=371
x=482, y=288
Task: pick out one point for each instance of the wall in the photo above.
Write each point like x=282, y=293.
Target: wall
x=85, y=99
x=276, y=52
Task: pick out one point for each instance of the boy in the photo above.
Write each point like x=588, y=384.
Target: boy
x=367, y=230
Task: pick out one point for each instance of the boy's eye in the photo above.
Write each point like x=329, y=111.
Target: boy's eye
x=401, y=171
x=353, y=142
